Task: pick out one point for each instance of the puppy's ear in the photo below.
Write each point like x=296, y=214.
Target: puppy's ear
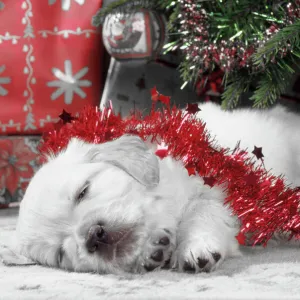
x=131, y=154
x=11, y=258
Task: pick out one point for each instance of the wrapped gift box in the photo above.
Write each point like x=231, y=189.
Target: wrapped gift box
x=50, y=59
x=19, y=160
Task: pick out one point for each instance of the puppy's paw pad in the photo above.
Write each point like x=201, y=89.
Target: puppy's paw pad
x=158, y=249
x=202, y=262
x=193, y=257
x=216, y=256
x=199, y=264
x=188, y=267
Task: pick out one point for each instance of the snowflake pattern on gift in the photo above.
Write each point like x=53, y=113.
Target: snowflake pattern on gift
x=3, y=80
x=66, y=4
x=69, y=84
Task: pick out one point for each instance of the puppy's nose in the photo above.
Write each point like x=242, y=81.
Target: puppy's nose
x=96, y=236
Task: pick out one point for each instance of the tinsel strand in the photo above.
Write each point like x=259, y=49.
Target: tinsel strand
x=261, y=200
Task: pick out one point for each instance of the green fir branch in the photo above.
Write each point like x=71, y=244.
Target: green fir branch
x=274, y=81
x=186, y=71
x=277, y=68
x=235, y=85
x=288, y=37
x=173, y=9
x=241, y=20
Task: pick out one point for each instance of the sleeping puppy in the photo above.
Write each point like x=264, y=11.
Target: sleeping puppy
x=116, y=207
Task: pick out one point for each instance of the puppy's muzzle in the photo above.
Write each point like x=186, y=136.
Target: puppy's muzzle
x=109, y=243
x=96, y=236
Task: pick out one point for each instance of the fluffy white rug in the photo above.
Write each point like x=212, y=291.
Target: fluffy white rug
x=271, y=273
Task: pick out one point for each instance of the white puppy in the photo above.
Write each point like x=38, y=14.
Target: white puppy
x=116, y=207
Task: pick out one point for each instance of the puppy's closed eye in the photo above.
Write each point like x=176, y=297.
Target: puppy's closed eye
x=82, y=193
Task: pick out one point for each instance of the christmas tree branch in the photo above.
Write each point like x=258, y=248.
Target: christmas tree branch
x=274, y=80
x=288, y=37
x=235, y=85
x=278, y=60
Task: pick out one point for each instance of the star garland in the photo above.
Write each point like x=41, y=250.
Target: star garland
x=262, y=202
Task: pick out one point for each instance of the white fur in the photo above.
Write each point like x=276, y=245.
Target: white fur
x=146, y=199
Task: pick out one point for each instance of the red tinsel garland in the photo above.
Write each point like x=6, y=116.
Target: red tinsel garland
x=262, y=202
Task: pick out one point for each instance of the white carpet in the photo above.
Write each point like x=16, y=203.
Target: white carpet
x=272, y=273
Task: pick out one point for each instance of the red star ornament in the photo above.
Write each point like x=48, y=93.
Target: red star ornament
x=241, y=238
x=209, y=181
x=162, y=153
x=66, y=117
x=192, y=108
x=258, y=152
x=156, y=96
x=165, y=99
x=191, y=169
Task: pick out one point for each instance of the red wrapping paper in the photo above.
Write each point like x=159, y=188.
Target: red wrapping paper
x=50, y=59
x=19, y=160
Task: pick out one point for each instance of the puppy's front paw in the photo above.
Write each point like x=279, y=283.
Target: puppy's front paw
x=157, y=250
x=202, y=254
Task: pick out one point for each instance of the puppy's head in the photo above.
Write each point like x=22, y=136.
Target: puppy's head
x=84, y=209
